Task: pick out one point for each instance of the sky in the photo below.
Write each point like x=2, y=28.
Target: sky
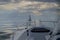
x=15, y=12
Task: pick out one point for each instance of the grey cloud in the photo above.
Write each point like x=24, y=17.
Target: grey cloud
x=4, y=0
x=18, y=0
x=9, y=0
x=29, y=0
x=43, y=0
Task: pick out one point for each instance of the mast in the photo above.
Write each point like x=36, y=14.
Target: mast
x=28, y=24
x=29, y=20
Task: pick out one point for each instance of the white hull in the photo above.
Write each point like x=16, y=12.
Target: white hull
x=22, y=35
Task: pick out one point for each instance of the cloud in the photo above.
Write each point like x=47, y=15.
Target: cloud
x=28, y=6
x=43, y=0
x=4, y=0
x=35, y=7
x=10, y=0
x=9, y=6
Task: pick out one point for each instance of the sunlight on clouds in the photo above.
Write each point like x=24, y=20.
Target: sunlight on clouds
x=48, y=5
x=41, y=5
x=23, y=4
x=27, y=5
x=8, y=6
x=36, y=6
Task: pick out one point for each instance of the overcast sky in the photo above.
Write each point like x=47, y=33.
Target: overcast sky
x=17, y=11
